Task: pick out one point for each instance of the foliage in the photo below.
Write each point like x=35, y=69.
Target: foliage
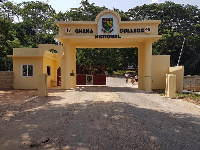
x=178, y=21
x=30, y=23
x=8, y=41
x=191, y=97
x=86, y=12
x=113, y=59
x=39, y=19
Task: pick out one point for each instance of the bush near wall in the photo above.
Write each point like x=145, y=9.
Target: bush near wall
x=6, y=80
x=192, y=83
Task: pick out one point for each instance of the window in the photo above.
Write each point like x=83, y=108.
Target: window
x=48, y=70
x=27, y=70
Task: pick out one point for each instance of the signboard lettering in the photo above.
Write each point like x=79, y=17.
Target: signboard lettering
x=107, y=36
x=138, y=30
x=84, y=31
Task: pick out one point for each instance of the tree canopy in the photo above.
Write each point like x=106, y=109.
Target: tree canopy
x=28, y=24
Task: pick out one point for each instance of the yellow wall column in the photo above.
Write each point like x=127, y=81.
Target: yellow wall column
x=179, y=72
x=147, y=65
x=42, y=85
x=62, y=65
x=159, y=68
x=170, y=90
x=70, y=65
x=141, y=67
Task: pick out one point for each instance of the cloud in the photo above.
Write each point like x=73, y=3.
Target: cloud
x=155, y=1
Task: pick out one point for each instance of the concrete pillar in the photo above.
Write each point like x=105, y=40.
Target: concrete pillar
x=147, y=65
x=141, y=67
x=70, y=66
x=170, y=90
x=42, y=85
x=62, y=65
x=179, y=72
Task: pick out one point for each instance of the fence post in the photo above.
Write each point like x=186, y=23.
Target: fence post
x=42, y=85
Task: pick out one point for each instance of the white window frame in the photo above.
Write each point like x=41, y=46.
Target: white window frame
x=27, y=70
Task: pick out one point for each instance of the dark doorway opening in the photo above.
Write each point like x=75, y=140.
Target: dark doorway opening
x=59, y=76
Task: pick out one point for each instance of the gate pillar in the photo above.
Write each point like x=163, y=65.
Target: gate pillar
x=147, y=65
x=69, y=65
x=141, y=66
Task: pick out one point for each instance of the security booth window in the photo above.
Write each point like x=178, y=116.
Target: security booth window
x=27, y=70
x=48, y=70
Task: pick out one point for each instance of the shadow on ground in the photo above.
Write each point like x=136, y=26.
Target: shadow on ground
x=109, y=89
x=95, y=125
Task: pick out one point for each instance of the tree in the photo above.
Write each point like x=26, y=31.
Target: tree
x=38, y=21
x=8, y=41
x=113, y=58
x=9, y=11
x=177, y=21
x=86, y=12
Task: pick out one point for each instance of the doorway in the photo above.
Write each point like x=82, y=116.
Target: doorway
x=59, y=76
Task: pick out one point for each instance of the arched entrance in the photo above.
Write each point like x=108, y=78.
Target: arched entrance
x=107, y=31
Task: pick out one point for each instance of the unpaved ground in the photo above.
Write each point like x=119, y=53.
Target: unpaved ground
x=106, y=118
x=16, y=96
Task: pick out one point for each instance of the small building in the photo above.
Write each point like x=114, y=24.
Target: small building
x=28, y=63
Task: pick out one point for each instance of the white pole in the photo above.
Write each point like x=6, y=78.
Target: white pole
x=181, y=52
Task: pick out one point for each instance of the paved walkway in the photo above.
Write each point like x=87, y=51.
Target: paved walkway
x=117, y=117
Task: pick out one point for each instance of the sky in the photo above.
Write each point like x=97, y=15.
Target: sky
x=124, y=5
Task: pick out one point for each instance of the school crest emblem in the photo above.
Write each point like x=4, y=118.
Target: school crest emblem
x=89, y=79
x=107, y=24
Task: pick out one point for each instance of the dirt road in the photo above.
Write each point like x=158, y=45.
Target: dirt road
x=116, y=117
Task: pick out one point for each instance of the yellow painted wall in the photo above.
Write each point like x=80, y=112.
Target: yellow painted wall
x=62, y=28
x=39, y=66
x=21, y=82
x=160, y=67
x=36, y=52
x=89, y=25
x=138, y=25
x=69, y=66
x=179, y=72
x=25, y=51
x=42, y=85
x=141, y=67
x=52, y=60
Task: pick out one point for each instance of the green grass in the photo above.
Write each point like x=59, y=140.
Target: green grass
x=130, y=71
x=118, y=72
x=190, y=97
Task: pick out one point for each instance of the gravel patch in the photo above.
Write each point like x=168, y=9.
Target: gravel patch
x=116, y=117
